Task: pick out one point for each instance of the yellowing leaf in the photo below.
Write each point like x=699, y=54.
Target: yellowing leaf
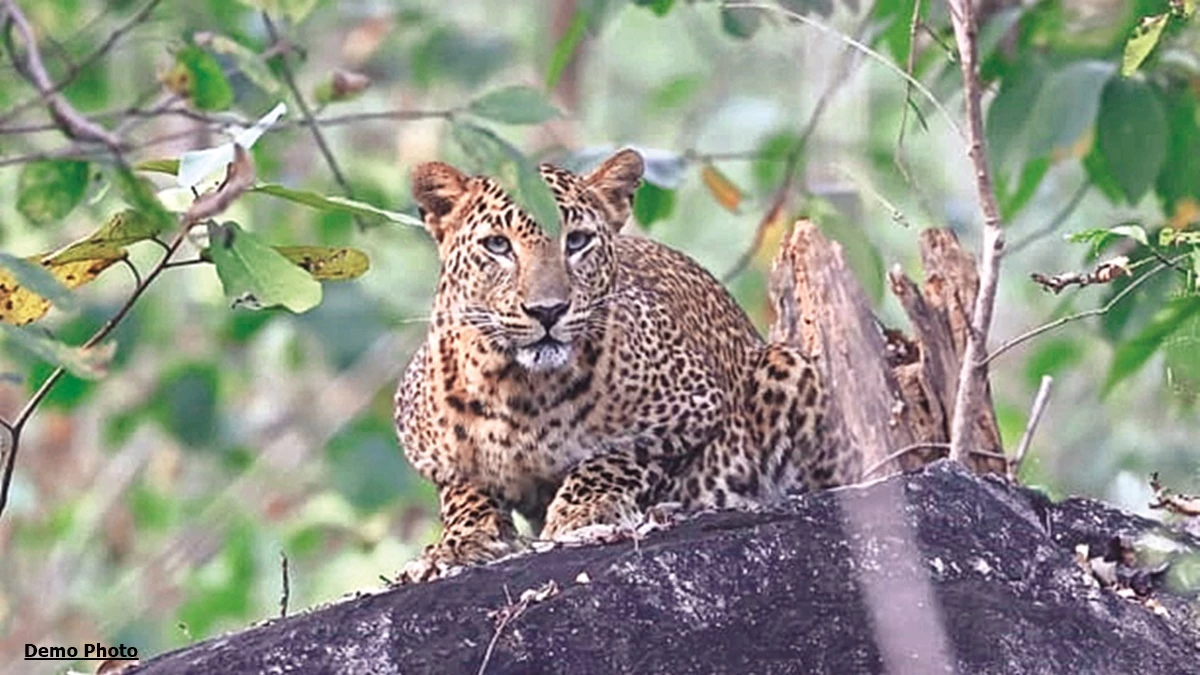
x=327, y=263
x=1145, y=37
x=19, y=305
x=722, y=189
x=122, y=229
x=72, y=266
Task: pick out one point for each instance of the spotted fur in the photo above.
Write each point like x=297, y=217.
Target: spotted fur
x=580, y=384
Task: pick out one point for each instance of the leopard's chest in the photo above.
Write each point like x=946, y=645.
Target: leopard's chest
x=519, y=447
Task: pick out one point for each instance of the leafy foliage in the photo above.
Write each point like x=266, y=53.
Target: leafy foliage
x=260, y=432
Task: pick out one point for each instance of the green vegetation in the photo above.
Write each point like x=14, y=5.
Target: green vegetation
x=269, y=279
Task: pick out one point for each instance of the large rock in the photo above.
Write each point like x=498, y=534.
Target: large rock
x=938, y=571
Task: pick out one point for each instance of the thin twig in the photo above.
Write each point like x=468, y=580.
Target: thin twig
x=859, y=46
x=16, y=426
x=289, y=79
x=1164, y=498
x=970, y=398
x=117, y=33
x=137, y=275
x=68, y=119
x=779, y=200
x=893, y=456
x=286, y=594
x=1035, y=416
x=228, y=119
x=1057, y=323
x=898, y=156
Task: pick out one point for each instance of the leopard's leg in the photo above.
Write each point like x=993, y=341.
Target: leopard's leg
x=614, y=489
x=804, y=443
x=475, y=529
x=782, y=440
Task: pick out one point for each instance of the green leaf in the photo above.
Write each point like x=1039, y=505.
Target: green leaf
x=652, y=203
x=1180, y=350
x=185, y=403
x=1031, y=178
x=565, y=48
x=896, y=18
x=1101, y=175
x=1134, y=232
x=514, y=105
x=1052, y=357
x=295, y=10
x=168, y=166
x=740, y=22
x=1066, y=106
x=34, y=277
x=247, y=60
x=205, y=83
x=255, y=275
x=89, y=364
x=1141, y=43
x=223, y=588
x=659, y=7
x=1180, y=175
x=328, y=263
x=331, y=203
x=139, y=193
x=1131, y=132
x=49, y=190
x=493, y=156
x=1008, y=116
x=1099, y=237
x=1132, y=355
x=364, y=465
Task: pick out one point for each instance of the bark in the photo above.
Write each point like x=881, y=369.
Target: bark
x=892, y=390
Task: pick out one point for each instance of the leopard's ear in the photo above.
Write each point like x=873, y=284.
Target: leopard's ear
x=615, y=181
x=437, y=189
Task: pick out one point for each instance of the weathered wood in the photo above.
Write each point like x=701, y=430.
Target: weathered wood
x=891, y=391
x=940, y=319
x=822, y=308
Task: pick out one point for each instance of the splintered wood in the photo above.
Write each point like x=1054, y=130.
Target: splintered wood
x=890, y=390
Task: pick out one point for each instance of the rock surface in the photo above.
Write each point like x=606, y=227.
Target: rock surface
x=937, y=571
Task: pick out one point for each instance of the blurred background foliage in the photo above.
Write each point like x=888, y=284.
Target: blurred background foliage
x=151, y=506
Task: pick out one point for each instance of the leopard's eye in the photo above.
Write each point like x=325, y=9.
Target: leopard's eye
x=497, y=245
x=577, y=240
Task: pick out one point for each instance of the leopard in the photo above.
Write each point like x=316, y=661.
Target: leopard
x=582, y=377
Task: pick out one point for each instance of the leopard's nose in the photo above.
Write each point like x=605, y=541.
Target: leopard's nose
x=547, y=315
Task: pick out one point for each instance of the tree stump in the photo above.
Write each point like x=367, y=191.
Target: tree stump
x=893, y=393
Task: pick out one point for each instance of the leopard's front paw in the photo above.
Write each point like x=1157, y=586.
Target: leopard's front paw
x=589, y=522
x=453, y=554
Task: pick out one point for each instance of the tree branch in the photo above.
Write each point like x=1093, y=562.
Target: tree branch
x=239, y=175
x=67, y=118
x=1057, y=323
x=1035, y=416
x=119, y=32
x=972, y=380
x=289, y=78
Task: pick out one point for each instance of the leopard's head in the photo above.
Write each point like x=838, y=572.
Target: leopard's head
x=518, y=291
